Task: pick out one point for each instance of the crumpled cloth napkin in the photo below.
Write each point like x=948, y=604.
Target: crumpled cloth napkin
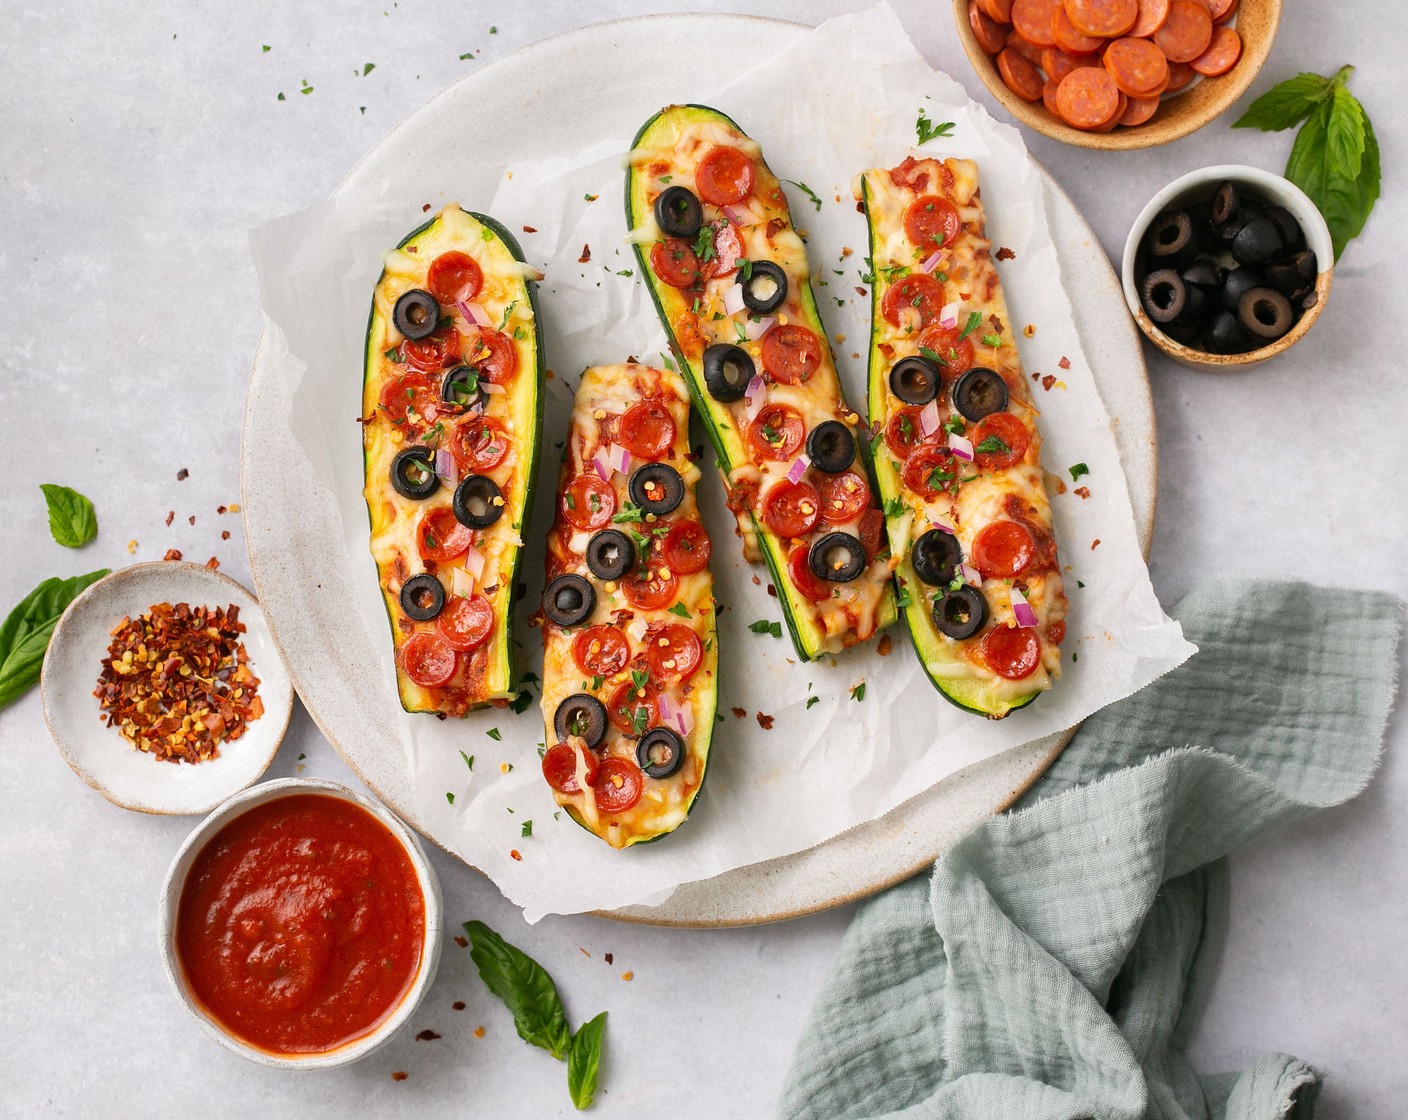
x=1053, y=964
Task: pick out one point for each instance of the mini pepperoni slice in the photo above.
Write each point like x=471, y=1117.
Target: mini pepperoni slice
x=1186, y=33
x=1000, y=10
x=1139, y=110
x=1088, y=98
x=1048, y=98
x=651, y=587
x=725, y=176
x=791, y=353
x=791, y=509
x=931, y=222
x=1222, y=53
x=1138, y=67
x=618, y=786
x=647, y=430
x=466, y=622
x=673, y=260
x=435, y=352
x=673, y=653
x=428, y=660
x=588, y=502
x=843, y=497
x=928, y=472
x=1179, y=75
x=902, y=431
x=949, y=347
x=493, y=356
x=1107, y=18
x=631, y=710
x=1011, y=440
x=1012, y=652
x=408, y=398
x=804, y=579
x=1033, y=19
x=912, y=302
x=601, y=651
x=776, y=433
x=1058, y=63
x=454, y=276
x=478, y=443
x=1023, y=46
x=1019, y=75
x=1152, y=14
x=1003, y=550
x=440, y=536
x=560, y=767
x=686, y=548
x=1069, y=39
x=872, y=526
x=990, y=34
x=1223, y=10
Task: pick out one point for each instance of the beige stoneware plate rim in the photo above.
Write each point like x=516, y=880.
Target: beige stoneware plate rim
x=163, y=577
x=175, y=882
x=804, y=882
x=1200, y=104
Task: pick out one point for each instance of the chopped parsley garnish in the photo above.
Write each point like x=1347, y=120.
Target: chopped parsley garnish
x=806, y=190
x=1078, y=470
x=955, y=424
x=519, y=704
x=468, y=759
x=704, y=244
x=507, y=312
x=763, y=626
x=939, y=478
x=640, y=678
x=665, y=358
x=858, y=693
x=368, y=68
x=493, y=733
x=629, y=512
x=903, y=599
x=994, y=445
x=992, y=340
x=813, y=700
x=394, y=354
x=895, y=507
x=527, y=829
x=927, y=130
x=450, y=797
x=974, y=318
x=681, y=610
x=597, y=682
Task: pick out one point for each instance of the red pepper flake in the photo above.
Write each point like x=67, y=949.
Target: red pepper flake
x=884, y=645
x=1005, y=254
x=399, y=1075
x=176, y=682
x=529, y=229
x=772, y=591
x=513, y=853
x=182, y=475
x=425, y=209
x=757, y=582
x=861, y=291
x=765, y=722
x=584, y=952
x=213, y=563
x=610, y=958
x=628, y=976
x=478, y=1032
x=172, y=554
x=192, y=519
x=225, y=534
x=1082, y=491
x=740, y=713
x=458, y=1005
x=461, y=941
x=170, y=517
x=1065, y=362
x=1029, y=331
x=219, y=509
x=1048, y=381
x=1094, y=544
x=427, y=1035
x=586, y=254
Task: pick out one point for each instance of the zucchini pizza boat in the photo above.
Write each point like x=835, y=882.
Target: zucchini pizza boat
x=960, y=471
x=451, y=403
x=729, y=277
x=630, y=665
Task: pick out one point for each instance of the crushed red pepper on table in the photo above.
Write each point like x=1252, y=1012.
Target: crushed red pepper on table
x=176, y=682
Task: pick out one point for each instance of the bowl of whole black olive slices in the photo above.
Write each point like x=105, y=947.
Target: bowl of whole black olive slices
x=1227, y=266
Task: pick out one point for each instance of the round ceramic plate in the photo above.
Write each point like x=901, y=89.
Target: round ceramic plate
x=102, y=757
x=567, y=93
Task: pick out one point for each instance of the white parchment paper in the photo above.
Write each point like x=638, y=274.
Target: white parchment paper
x=843, y=98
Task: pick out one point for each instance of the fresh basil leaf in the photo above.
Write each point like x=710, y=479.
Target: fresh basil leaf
x=1344, y=133
x=584, y=1061
x=72, y=519
x=525, y=989
x=1344, y=200
x=24, y=635
x=1287, y=104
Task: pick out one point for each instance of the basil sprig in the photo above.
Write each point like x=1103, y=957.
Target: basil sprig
x=24, y=635
x=1335, y=157
x=72, y=520
x=529, y=993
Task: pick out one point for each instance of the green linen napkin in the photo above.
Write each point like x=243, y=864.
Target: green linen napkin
x=1053, y=964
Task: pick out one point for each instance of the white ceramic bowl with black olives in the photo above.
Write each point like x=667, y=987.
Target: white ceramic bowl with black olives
x=1227, y=266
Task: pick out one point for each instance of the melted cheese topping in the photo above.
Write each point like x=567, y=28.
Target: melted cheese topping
x=605, y=393
x=485, y=674
x=984, y=495
x=697, y=320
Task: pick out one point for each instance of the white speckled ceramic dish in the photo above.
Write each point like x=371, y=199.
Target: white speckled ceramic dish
x=169, y=906
x=101, y=756
x=569, y=92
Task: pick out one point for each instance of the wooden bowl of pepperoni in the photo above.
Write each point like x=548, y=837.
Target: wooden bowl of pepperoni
x=1116, y=74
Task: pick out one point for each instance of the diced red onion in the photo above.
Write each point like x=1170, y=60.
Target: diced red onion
x=474, y=313
x=1021, y=609
x=601, y=461
x=623, y=458
x=739, y=215
x=474, y=562
x=755, y=329
x=446, y=468
x=733, y=299
x=755, y=396
x=961, y=446
x=462, y=581
x=679, y=716
x=491, y=388
x=933, y=262
x=941, y=527
x=799, y=468
x=929, y=418
x=971, y=574
x=948, y=317
x=637, y=629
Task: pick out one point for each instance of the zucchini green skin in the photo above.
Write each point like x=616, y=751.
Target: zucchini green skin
x=504, y=672
x=935, y=650
x=807, y=637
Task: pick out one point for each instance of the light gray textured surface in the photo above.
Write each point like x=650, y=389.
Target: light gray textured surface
x=141, y=143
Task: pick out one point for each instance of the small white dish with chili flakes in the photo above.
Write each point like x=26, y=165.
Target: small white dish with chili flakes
x=163, y=688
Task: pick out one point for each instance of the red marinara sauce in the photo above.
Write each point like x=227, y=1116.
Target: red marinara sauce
x=301, y=925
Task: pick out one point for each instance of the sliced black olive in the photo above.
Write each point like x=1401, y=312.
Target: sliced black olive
x=678, y=213
x=1266, y=313
x=1307, y=300
x=581, y=715
x=416, y=314
x=831, y=447
x=1164, y=295
x=1259, y=240
x=1204, y=274
x=915, y=380
x=1195, y=305
x=1237, y=284
x=836, y=557
x=1171, y=241
x=979, y=392
x=727, y=371
x=656, y=488
x=610, y=554
x=1283, y=275
x=1187, y=333
x=961, y=614
x=1292, y=236
x=1226, y=202
x=1201, y=215
x=478, y=501
x=569, y=600
x=1308, y=265
x=461, y=388
x=422, y=597
x=660, y=752
x=766, y=287
x=1224, y=334
x=936, y=556
x=413, y=473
